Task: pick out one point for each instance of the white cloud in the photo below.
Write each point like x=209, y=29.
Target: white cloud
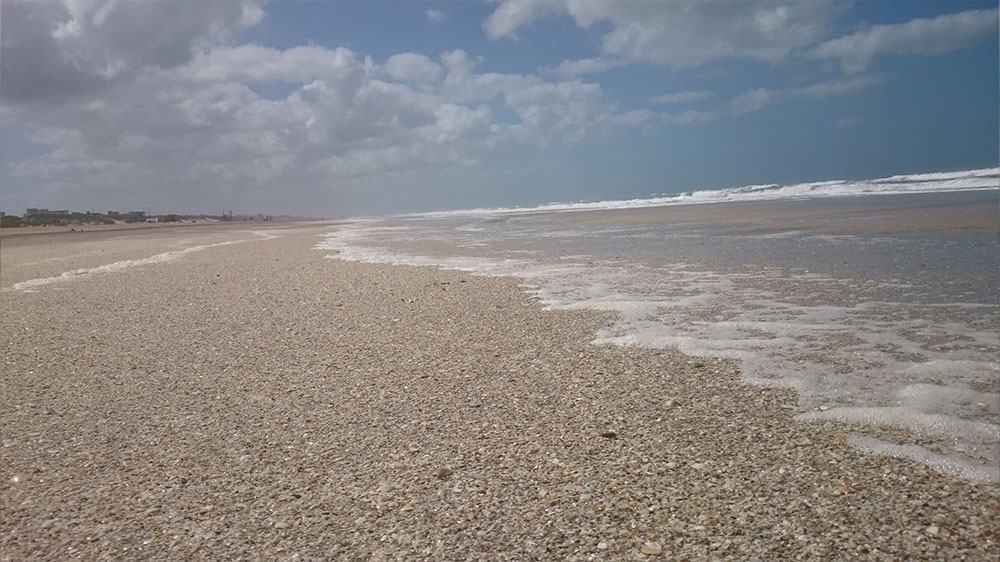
x=84, y=45
x=930, y=36
x=513, y=14
x=575, y=68
x=128, y=114
x=564, y=110
x=680, y=34
x=436, y=16
x=463, y=85
x=751, y=100
x=253, y=63
x=838, y=87
x=413, y=67
x=194, y=133
x=681, y=97
x=690, y=34
x=456, y=122
x=757, y=98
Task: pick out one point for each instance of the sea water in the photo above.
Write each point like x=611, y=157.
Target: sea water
x=878, y=301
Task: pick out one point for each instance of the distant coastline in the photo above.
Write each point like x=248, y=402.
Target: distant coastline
x=22, y=231
x=936, y=182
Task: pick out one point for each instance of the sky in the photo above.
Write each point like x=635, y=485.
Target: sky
x=367, y=108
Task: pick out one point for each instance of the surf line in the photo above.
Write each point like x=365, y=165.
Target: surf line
x=32, y=284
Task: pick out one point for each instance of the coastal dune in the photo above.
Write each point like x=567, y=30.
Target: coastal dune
x=252, y=400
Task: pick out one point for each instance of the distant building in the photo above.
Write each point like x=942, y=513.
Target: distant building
x=31, y=212
x=137, y=216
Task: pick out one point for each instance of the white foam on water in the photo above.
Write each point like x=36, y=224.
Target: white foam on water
x=987, y=178
x=949, y=400
x=868, y=364
x=77, y=274
x=346, y=241
x=946, y=464
x=901, y=417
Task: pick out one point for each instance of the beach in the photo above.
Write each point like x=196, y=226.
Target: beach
x=233, y=394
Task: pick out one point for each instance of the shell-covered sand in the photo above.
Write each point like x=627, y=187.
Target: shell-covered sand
x=243, y=398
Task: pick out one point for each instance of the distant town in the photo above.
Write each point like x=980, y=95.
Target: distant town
x=52, y=217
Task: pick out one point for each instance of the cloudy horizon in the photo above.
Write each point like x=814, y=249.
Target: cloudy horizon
x=348, y=108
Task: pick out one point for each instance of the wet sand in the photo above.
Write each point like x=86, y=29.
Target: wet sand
x=252, y=400
x=935, y=213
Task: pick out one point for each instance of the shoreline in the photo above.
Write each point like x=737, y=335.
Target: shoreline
x=911, y=215
x=12, y=233
x=257, y=401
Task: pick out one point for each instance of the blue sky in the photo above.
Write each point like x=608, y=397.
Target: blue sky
x=348, y=108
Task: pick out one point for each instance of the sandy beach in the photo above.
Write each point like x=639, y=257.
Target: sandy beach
x=231, y=394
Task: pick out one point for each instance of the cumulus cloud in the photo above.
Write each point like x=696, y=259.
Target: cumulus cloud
x=140, y=100
x=436, y=16
x=254, y=64
x=413, y=67
x=84, y=45
x=513, y=14
x=190, y=127
x=927, y=36
x=549, y=112
x=568, y=109
x=679, y=34
x=202, y=123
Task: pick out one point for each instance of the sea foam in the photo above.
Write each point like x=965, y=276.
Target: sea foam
x=872, y=346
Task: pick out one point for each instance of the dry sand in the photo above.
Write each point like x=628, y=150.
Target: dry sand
x=255, y=401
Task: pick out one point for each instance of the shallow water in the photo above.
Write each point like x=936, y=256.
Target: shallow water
x=881, y=311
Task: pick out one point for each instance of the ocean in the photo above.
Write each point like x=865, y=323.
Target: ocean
x=878, y=301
